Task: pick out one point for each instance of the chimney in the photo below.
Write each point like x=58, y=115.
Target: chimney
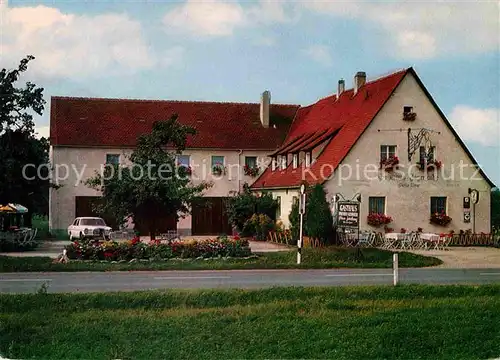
x=341, y=87
x=359, y=81
x=265, y=102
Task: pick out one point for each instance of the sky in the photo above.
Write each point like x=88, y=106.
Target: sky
x=232, y=51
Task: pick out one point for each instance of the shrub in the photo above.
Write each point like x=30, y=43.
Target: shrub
x=259, y=225
x=294, y=219
x=114, y=251
x=243, y=206
x=318, y=219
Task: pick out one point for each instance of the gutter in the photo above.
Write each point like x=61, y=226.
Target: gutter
x=239, y=170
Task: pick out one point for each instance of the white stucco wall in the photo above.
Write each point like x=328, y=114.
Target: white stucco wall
x=409, y=203
x=83, y=162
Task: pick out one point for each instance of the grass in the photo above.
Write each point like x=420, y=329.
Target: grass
x=404, y=322
x=312, y=259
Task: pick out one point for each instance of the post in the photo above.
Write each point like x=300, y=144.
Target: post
x=473, y=218
x=395, y=268
x=299, y=249
x=302, y=210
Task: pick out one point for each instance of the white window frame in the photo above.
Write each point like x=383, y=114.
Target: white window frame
x=295, y=160
x=308, y=159
x=283, y=162
x=273, y=163
x=387, y=151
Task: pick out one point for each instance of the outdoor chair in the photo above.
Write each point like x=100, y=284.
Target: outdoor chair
x=406, y=241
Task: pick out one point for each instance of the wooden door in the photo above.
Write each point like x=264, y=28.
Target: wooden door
x=209, y=217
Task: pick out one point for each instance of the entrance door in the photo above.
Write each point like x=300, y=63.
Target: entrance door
x=209, y=217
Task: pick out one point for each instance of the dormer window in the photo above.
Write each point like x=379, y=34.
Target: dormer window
x=295, y=160
x=273, y=163
x=408, y=113
x=308, y=159
x=283, y=162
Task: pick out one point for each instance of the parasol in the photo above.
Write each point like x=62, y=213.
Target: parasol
x=19, y=208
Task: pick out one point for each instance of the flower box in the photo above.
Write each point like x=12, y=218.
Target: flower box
x=390, y=163
x=409, y=116
x=187, y=169
x=440, y=219
x=375, y=219
x=218, y=169
x=252, y=171
x=431, y=165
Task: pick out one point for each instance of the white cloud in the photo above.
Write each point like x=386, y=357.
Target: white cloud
x=417, y=30
x=68, y=45
x=222, y=18
x=319, y=53
x=477, y=125
x=207, y=17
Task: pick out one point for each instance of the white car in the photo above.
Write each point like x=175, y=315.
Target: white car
x=88, y=227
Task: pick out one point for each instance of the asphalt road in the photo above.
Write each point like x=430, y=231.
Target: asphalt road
x=148, y=280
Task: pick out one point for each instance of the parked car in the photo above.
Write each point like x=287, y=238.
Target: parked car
x=88, y=228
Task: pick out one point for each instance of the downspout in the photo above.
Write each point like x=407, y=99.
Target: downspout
x=239, y=170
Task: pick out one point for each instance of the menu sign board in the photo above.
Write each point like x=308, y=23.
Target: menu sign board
x=348, y=214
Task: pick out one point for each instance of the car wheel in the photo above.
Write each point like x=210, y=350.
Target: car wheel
x=81, y=236
x=71, y=238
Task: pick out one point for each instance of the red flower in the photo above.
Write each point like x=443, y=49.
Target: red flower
x=236, y=237
x=108, y=254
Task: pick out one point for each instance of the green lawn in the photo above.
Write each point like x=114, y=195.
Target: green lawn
x=312, y=258
x=404, y=322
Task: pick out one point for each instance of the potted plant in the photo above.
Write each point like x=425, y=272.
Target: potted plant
x=375, y=219
x=440, y=219
x=390, y=163
x=218, y=169
x=252, y=171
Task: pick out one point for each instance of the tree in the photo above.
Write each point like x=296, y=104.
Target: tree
x=154, y=186
x=495, y=209
x=294, y=219
x=19, y=148
x=318, y=217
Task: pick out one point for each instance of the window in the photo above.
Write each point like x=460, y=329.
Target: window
x=308, y=159
x=376, y=205
x=76, y=222
x=251, y=161
x=431, y=154
x=283, y=162
x=278, y=209
x=217, y=160
x=295, y=160
x=112, y=159
x=92, y=222
x=183, y=160
x=438, y=204
x=407, y=109
x=387, y=151
x=295, y=200
x=273, y=163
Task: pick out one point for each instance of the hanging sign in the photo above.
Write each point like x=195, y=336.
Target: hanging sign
x=348, y=214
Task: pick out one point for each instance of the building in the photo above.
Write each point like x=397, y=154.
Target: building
x=88, y=132
x=350, y=143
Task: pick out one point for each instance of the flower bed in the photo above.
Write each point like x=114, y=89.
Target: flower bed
x=135, y=249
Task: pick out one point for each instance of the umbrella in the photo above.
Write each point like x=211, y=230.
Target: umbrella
x=6, y=209
x=19, y=208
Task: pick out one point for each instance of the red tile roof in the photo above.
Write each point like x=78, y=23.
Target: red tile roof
x=118, y=122
x=345, y=119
